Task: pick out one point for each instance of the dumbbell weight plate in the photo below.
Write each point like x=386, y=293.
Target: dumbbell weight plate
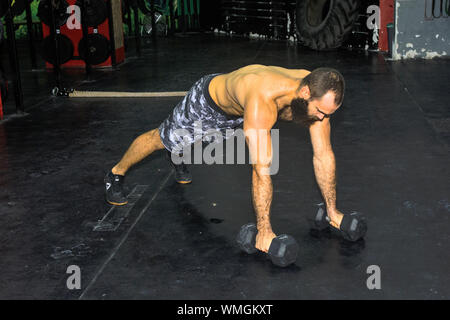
x=319, y=220
x=246, y=238
x=283, y=250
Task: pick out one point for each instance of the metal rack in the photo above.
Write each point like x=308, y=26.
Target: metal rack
x=269, y=18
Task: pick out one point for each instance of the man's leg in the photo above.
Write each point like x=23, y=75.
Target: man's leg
x=142, y=146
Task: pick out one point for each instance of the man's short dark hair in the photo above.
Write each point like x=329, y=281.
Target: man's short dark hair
x=322, y=80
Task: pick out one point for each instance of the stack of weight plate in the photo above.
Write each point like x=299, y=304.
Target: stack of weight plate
x=93, y=49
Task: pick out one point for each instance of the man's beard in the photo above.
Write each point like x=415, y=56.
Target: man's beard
x=299, y=108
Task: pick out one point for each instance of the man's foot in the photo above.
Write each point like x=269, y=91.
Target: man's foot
x=351, y=226
x=182, y=174
x=114, y=189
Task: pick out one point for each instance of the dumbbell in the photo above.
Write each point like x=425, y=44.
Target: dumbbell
x=353, y=226
x=283, y=249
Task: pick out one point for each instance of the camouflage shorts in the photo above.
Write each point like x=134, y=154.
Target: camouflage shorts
x=182, y=128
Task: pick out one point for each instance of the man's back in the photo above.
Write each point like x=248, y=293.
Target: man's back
x=231, y=91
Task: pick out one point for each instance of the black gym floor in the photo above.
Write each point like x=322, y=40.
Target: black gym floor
x=391, y=139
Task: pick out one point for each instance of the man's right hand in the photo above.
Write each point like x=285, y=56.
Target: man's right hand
x=263, y=240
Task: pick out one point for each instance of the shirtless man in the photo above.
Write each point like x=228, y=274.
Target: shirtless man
x=256, y=96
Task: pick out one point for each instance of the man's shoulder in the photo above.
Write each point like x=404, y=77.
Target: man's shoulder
x=260, y=110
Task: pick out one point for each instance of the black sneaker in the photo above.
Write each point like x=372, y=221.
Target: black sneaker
x=114, y=189
x=182, y=174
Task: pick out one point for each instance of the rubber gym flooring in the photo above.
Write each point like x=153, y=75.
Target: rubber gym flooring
x=391, y=140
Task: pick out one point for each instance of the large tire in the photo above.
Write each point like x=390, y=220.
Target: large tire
x=324, y=24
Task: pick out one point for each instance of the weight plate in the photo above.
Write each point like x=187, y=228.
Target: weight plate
x=98, y=49
x=65, y=48
x=96, y=12
x=45, y=14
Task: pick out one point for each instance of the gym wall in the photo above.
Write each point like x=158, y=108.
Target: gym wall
x=419, y=34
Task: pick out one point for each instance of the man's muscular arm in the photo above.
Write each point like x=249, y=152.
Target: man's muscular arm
x=325, y=167
x=258, y=120
x=262, y=192
x=325, y=170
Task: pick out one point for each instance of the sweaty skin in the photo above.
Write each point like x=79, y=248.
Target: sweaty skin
x=262, y=95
